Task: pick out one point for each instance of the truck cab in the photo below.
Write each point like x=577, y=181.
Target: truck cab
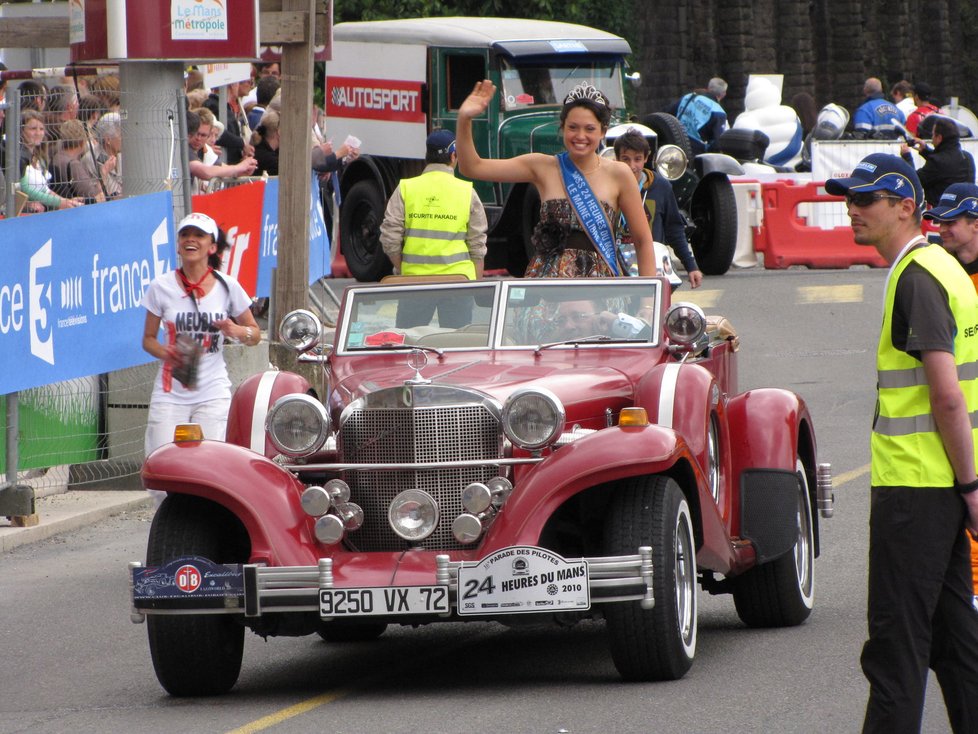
x=391, y=82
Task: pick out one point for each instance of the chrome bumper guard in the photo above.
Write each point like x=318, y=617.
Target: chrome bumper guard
x=296, y=589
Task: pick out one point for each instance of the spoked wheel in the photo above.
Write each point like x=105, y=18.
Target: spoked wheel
x=782, y=593
x=195, y=654
x=658, y=643
x=713, y=215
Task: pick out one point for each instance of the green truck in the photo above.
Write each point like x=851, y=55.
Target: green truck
x=391, y=82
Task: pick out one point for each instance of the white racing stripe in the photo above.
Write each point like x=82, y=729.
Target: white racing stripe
x=260, y=411
x=667, y=394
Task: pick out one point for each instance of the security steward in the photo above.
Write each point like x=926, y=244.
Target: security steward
x=924, y=489
x=435, y=225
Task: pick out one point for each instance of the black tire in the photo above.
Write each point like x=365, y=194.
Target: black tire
x=713, y=220
x=334, y=631
x=669, y=131
x=195, y=655
x=782, y=593
x=361, y=215
x=658, y=643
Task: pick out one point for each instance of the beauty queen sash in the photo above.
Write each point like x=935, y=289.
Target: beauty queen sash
x=589, y=211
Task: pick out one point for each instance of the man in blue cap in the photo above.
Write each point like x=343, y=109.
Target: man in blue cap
x=957, y=215
x=923, y=486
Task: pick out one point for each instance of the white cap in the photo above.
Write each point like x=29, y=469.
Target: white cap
x=201, y=221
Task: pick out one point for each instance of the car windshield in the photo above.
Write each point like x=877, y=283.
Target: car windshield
x=582, y=313
x=527, y=84
x=438, y=316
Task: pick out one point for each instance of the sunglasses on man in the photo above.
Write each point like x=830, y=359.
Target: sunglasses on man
x=862, y=199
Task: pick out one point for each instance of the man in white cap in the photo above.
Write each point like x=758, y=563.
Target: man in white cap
x=435, y=225
x=923, y=487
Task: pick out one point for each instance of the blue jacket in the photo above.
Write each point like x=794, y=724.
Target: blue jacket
x=872, y=118
x=703, y=118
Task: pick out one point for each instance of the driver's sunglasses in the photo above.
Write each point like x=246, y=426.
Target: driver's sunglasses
x=577, y=316
x=862, y=199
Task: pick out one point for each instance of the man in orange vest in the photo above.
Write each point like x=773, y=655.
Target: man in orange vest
x=957, y=215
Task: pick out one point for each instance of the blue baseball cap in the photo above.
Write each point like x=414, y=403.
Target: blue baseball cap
x=880, y=172
x=958, y=200
x=441, y=141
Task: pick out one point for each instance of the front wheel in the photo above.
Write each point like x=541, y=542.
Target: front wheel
x=658, y=643
x=361, y=215
x=782, y=593
x=195, y=654
x=713, y=220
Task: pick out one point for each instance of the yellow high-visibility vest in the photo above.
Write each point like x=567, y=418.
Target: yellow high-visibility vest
x=906, y=447
x=436, y=219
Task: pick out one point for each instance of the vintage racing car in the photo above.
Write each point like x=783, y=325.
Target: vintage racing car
x=551, y=450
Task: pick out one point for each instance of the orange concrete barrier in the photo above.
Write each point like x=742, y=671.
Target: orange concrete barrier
x=786, y=239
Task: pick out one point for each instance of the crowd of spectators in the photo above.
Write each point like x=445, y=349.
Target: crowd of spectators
x=71, y=137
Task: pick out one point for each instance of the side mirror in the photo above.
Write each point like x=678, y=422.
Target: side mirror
x=635, y=78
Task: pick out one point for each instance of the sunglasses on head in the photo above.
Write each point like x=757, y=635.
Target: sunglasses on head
x=863, y=199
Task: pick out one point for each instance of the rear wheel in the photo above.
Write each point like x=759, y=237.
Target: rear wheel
x=195, y=655
x=360, y=219
x=658, y=643
x=782, y=593
x=713, y=217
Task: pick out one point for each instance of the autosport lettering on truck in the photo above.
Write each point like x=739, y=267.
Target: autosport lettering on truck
x=374, y=99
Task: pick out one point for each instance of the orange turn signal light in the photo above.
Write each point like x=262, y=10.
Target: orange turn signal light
x=188, y=433
x=633, y=417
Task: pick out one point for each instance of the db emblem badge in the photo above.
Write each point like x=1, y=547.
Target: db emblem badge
x=187, y=579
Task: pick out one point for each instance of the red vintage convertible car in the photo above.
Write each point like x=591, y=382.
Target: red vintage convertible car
x=552, y=449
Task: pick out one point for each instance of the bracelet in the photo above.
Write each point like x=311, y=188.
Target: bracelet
x=966, y=488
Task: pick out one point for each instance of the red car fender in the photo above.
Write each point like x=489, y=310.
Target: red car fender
x=766, y=430
x=251, y=403
x=261, y=494
x=610, y=454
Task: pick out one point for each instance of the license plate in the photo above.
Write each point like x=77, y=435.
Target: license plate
x=383, y=600
x=523, y=579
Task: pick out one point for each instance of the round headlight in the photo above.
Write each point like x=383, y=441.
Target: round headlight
x=533, y=418
x=413, y=514
x=300, y=330
x=297, y=424
x=685, y=323
x=671, y=162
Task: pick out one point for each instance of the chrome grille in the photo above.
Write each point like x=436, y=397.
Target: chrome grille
x=440, y=433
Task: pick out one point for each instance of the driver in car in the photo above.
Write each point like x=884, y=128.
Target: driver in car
x=578, y=319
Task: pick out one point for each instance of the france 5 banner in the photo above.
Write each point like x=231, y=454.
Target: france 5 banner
x=249, y=215
x=72, y=285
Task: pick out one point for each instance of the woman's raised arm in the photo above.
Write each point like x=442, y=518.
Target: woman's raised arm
x=470, y=164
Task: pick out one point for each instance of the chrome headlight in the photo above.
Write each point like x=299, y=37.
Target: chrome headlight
x=671, y=162
x=413, y=514
x=297, y=424
x=685, y=323
x=533, y=418
x=300, y=330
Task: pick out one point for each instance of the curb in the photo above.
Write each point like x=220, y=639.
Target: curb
x=72, y=510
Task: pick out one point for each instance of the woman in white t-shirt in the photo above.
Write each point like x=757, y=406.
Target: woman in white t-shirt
x=200, y=307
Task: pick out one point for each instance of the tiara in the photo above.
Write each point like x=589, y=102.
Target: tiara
x=586, y=92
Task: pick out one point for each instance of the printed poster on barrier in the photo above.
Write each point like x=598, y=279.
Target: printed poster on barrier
x=523, y=579
x=238, y=211
x=72, y=285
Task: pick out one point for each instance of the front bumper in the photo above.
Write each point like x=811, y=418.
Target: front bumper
x=254, y=590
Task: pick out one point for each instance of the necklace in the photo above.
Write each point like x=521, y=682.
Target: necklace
x=587, y=173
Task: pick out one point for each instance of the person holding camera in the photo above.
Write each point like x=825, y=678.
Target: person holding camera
x=945, y=163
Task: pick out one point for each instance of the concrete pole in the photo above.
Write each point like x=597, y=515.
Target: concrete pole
x=151, y=129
